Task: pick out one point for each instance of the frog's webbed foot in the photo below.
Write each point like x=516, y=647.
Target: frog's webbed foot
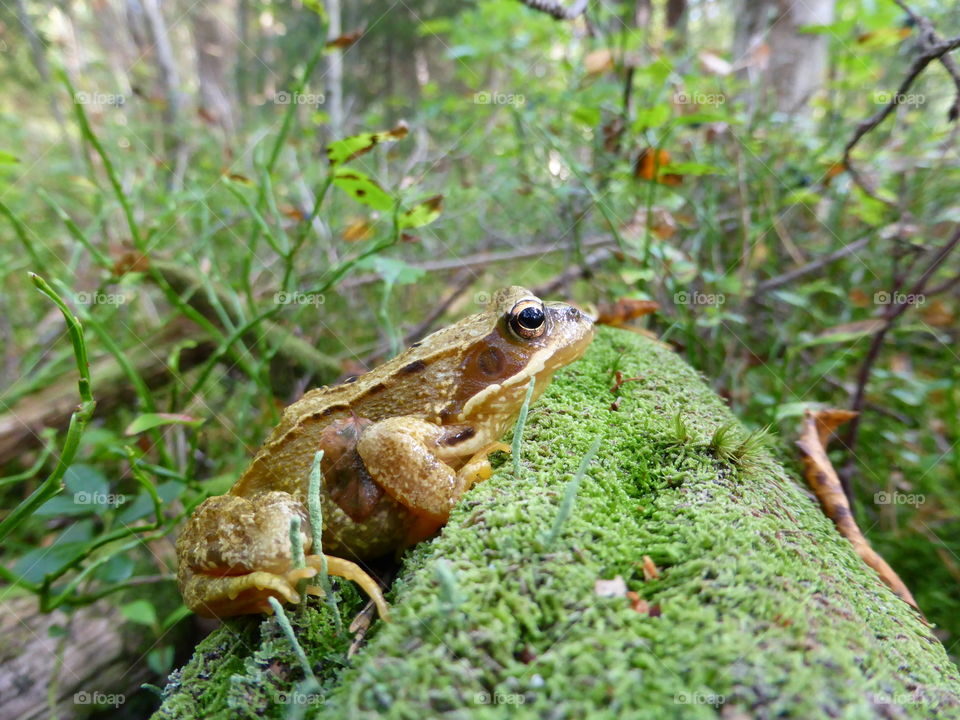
x=478, y=468
x=338, y=567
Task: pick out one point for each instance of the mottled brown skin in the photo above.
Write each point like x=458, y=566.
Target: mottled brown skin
x=401, y=445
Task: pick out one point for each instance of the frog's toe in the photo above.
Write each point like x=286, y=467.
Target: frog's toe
x=351, y=571
x=242, y=594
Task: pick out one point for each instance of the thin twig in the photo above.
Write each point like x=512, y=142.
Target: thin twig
x=811, y=267
x=899, y=305
x=930, y=51
x=555, y=10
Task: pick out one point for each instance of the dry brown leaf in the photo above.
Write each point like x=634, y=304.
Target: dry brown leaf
x=649, y=166
x=859, y=298
x=624, y=310
x=638, y=603
x=937, y=314
x=650, y=570
x=357, y=230
x=598, y=61
x=823, y=480
x=345, y=40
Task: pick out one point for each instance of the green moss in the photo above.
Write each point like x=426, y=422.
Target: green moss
x=760, y=607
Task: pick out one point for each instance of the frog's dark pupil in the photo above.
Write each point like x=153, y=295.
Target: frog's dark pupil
x=530, y=318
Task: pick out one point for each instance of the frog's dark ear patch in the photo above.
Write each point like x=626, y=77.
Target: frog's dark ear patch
x=460, y=437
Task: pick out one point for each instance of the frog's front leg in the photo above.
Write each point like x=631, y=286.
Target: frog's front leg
x=415, y=460
x=234, y=555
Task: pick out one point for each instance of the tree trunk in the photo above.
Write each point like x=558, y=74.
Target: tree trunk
x=214, y=45
x=798, y=61
x=732, y=595
x=786, y=67
x=334, y=77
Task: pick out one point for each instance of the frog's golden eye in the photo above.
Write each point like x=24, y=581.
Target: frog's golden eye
x=527, y=319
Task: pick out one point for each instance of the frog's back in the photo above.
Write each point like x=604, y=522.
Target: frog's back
x=420, y=382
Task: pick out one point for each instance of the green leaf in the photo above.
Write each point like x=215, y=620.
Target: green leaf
x=148, y=421
x=393, y=272
x=160, y=660
x=341, y=151
x=115, y=570
x=141, y=612
x=652, y=117
x=422, y=213
x=802, y=196
x=691, y=168
x=362, y=188
x=7, y=158
x=589, y=115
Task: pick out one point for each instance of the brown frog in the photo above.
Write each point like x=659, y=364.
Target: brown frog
x=402, y=443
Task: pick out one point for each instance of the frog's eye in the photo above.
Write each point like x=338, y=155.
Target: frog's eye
x=527, y=319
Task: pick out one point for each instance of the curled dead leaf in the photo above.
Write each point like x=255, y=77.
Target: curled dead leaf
x=345, y=40
x=822, y=479
x=624, y=310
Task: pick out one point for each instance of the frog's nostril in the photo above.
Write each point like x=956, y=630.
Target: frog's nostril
x=573, y=313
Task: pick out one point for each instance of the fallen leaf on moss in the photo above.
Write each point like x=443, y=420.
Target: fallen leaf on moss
x=650, y=570
x=611, y=588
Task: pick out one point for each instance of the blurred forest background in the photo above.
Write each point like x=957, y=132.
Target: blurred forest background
x=163, y=170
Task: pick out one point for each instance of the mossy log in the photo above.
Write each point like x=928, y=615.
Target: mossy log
x=753, y=606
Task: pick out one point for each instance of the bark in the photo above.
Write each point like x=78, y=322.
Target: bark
x=51, y=407
x=747, y=603
x=100, y=654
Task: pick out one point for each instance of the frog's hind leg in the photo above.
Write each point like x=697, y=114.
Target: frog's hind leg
x=339, y=567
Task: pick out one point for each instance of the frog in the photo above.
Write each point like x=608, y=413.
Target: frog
x=401, y=445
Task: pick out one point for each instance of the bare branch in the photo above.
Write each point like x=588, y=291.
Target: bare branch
x=555, y=10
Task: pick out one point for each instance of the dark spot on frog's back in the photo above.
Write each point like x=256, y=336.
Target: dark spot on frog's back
x=414, y=367
x=331, y=410
x=376, y=389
